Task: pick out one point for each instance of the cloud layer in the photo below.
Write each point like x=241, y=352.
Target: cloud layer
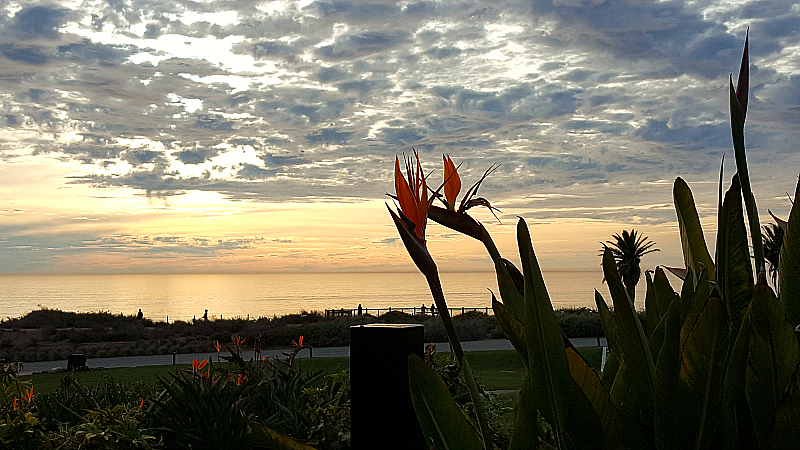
x=589, y=106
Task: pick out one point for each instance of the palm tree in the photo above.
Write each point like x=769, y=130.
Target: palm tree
x=773, y=239
x=628, y=250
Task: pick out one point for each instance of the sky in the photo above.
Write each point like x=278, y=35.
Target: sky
x=170, y=136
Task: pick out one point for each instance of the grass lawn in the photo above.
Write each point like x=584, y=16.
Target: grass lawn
x=496, y=370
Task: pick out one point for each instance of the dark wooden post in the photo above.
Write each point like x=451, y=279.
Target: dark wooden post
x=382, y=415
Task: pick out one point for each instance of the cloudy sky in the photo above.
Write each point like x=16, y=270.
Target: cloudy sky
x=246, y=136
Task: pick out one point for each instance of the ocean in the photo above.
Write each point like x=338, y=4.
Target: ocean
x=182, y=297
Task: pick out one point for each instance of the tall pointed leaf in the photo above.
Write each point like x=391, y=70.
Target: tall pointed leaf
x=785, y=432
x=695, y=251
x=702, y=370
x=736, y=420
x=665, y=401
x=734, y=271
x=612, y=338
x=527, y=428
x=789, y=265
x=774, y=354
x=547, y=360
x=663, y=291
x=512, y=328
x=738, y=104
x=617, y=430
x=652, y=311
x=635, y=349
x=702, y=291
x=443, y=423
x=511, y=285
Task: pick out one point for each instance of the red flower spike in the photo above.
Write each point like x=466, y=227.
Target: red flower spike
x=412, y=194
x=452, y=182
x=15, y=402
x=216, y=345
x=141, y=404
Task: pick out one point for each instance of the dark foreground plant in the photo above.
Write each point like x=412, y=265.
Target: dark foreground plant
x=717, y=365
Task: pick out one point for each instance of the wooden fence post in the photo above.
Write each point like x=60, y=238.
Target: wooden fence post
x=382, y=415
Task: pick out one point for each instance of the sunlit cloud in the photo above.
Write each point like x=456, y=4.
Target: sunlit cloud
x=122, y=127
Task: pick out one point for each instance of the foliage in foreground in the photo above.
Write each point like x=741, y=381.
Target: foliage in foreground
x=716, y=365
x=240, y=404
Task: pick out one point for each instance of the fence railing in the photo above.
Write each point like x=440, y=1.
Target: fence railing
x=408, y=310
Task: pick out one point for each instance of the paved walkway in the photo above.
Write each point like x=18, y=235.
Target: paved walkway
x=320, y=352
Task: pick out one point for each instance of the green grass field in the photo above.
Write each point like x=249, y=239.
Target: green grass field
x=496, y=370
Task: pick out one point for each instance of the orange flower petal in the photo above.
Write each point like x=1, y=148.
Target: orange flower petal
x=452, y=182
x=405, y=195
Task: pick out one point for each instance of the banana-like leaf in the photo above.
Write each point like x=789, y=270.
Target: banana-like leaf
x=702, y=371
x=774, y=355
x=664, y=296
x=269, y=439
x=736, y=421
x=512, y=328
x=734, y=271
x=652, y=312
x=702, y=291
x=656, y=338
x=547, y=360
x=443, y=423
x=618, y=379
x=666, y=405
x=738, y=113
x=635, y=349
x=695, y=251
x=789, y=265
x=616, y=429
x=527, y=426
x=584, y=428
x=511, y=285
x=785, y=432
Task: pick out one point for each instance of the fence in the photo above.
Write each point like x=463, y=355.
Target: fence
x=344, y=312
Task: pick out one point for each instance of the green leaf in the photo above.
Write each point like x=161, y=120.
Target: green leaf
x=736, y=420
x=512, y=328
x=702, y=371
x=616, y=429
x=652, y=312
x=269, y=439
x=527, y=427
x=773, y=357
x=618, y=379
x=663, y=296
x=665, y=401
x=547, y=360
x=695, y=251
x=734, y=270
x=737, y=132
x=443, y=423
x=635, y=349
x=511, y=285
x=785, y=432
x=789, y=265
x=702, y=291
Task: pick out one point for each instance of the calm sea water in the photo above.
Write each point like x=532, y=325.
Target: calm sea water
x=239, y=295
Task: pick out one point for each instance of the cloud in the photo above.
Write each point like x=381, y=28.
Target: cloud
x=196, y=156
x=329, y=136
x=39, y=21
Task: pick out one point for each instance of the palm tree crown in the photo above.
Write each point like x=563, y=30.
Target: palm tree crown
x=773, y=239
x=628, y=250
